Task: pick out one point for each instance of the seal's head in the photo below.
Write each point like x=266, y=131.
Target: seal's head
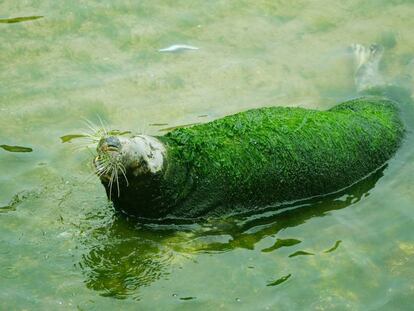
x=121, y=159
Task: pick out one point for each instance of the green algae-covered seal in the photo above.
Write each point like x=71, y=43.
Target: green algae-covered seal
x=251, y=159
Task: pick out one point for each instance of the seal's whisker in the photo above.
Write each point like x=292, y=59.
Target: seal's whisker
x=123, y=171
x=105, y=168
x=99, y=170
x=90, y=177
x=78, y=148
x=104, y=160
x=90, y=151
x=99, y=174
x=103, y=126
x=92, y=126
x=93, y=138
x=108, y=164
x=111, y=180
x=82, y=145
x=102, y=169
x=88, y=143
x=97, y=132
x=117, y=181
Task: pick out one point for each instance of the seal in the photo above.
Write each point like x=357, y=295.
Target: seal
x=252, y=159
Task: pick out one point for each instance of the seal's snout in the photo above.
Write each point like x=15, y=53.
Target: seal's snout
x=110, y=143
x=108, y=162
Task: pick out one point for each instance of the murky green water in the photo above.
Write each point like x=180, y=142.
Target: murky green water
x=61, y=246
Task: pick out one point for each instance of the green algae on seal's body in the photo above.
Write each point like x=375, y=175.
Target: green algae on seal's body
x=272, y=155
x=258, y=157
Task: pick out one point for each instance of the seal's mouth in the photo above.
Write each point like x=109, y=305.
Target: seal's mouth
x=109, y=144
x=108, y=163
x=105, y=166
x=110, y=148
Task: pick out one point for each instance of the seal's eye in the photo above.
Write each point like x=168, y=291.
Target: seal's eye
x=110, y=143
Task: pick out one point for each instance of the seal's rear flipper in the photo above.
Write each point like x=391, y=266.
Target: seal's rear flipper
x=367, y=75
x=368, y=79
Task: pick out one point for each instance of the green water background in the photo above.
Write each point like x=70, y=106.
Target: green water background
x=61, y=246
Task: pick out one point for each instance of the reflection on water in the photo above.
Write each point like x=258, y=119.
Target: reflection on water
x=281, y=243
x=125, y=255
x=124, y=263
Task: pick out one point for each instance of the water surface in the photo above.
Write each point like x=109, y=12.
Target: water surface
x=63, y=247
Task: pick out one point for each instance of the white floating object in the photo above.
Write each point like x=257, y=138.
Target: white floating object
x=178, y=48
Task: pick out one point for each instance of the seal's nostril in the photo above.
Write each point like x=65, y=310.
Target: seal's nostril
x=113, y=142
x=110, y=142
